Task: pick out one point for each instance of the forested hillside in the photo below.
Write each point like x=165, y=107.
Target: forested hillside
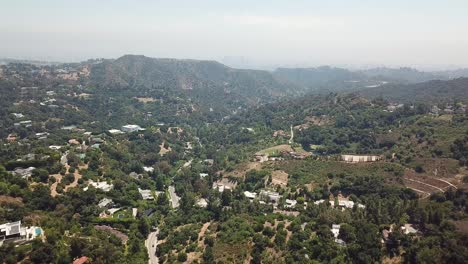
x=208, y=81
x=432, y=91
x=180, y=161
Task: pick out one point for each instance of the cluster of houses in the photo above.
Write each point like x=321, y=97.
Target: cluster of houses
x=449, y=109
x=342, y=202
x=270, y=197
x=459, y=108
x=108, y=209
x=260, y=157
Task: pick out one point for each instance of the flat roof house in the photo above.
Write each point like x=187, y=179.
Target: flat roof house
x=131, y=128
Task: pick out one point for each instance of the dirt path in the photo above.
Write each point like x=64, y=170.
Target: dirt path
x=425, y=193
x=202, y=234
x=58, y=180
x=435, y=187
x=449, y=183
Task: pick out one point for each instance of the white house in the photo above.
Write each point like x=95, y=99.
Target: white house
x=146, y=194
x=335, y=230
x=202, y=203
x=23, y=173
x=116, y=131
x=290, y=203
x=14, y=230
x=319, y=202
x=408, y=229
x=270, y=196
x=131, y=128
x=99, y=185
x=250, y=195
x=104, y=202
x=148, y=169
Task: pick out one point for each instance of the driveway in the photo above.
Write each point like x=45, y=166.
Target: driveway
x=174, y=198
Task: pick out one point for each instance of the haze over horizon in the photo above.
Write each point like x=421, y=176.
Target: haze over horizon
x=265, y=34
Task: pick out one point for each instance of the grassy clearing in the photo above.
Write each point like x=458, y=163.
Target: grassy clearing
x=276, y=150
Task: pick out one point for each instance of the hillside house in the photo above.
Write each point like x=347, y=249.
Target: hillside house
x=99, y=185
x=11, y=138
x=409, y=229
x=290, y=203
x=131, y=128
x=23, y=172
x=146, y=194
x=202, y=203
x=105, y=202
x=250, y=195
x=14, y=231
x=18, y=115
x=116, y=131
x=224, y=184
x=344, y=202
x=148, y=169
x=270, y=196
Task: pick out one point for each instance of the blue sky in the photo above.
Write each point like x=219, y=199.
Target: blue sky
x=242, y=33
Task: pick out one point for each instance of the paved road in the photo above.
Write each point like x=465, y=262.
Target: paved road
x=292, y=135
x=151, y=243
x=174, y=198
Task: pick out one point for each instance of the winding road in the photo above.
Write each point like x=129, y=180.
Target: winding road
x=151, y=244
x=292, y=135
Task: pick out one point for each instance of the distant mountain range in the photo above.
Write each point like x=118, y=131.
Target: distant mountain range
x=339, y=79
x=209, y=78
x=212, y=81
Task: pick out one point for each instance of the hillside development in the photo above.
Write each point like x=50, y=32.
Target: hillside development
x=185, y=161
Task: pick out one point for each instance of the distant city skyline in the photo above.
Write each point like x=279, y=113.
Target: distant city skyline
x=426, y=35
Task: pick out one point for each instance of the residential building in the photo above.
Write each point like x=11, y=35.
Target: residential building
x=202, y=203
x=14, y=231
x=82, y=260
x=409, y=229
x=18, y=115
x=116, y=131
x=146, y=194
x=23, y=172
x=131, y=128
x=270, y=196
x=105, y=202
x=250, y=195
x=290, y=203
x=99, y=185
x=12, y=138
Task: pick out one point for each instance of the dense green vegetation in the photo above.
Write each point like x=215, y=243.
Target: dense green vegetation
x=200, y=132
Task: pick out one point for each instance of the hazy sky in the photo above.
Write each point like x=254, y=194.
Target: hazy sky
x=293, y=32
